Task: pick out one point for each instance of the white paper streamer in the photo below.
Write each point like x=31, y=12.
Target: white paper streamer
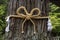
x=49, y=25
x=8, y=23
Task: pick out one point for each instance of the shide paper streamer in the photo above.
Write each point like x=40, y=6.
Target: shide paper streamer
x=8, y=24
x=49, y=25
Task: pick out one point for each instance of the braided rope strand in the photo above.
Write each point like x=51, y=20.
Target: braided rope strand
x=28, y=16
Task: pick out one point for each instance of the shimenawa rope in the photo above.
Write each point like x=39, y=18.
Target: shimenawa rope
x=28, y=16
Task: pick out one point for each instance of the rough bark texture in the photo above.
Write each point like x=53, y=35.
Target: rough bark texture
x=16, y=23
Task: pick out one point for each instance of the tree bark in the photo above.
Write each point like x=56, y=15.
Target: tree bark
x=16, y=23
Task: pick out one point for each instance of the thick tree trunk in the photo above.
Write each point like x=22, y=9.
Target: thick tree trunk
x=16, y=23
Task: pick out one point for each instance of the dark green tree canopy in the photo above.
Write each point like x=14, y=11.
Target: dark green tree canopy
x=56, y=2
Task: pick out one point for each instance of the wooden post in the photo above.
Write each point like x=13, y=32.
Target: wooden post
x=15, y=24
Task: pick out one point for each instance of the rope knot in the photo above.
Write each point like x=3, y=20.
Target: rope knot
x=28, y=16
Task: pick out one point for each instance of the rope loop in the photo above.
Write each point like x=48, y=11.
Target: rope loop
x=28, y=16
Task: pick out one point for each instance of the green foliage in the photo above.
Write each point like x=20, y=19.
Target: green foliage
x=55, y=17
x=2, y=17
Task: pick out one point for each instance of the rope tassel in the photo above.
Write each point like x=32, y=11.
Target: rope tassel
x=28, y=16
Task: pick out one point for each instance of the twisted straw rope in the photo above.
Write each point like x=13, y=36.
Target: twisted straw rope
x=28, y=16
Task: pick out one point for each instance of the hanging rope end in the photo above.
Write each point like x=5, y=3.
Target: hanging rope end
x=22, y=32
x=34, y=32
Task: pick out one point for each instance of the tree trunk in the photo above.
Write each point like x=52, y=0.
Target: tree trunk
x=16, y=23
